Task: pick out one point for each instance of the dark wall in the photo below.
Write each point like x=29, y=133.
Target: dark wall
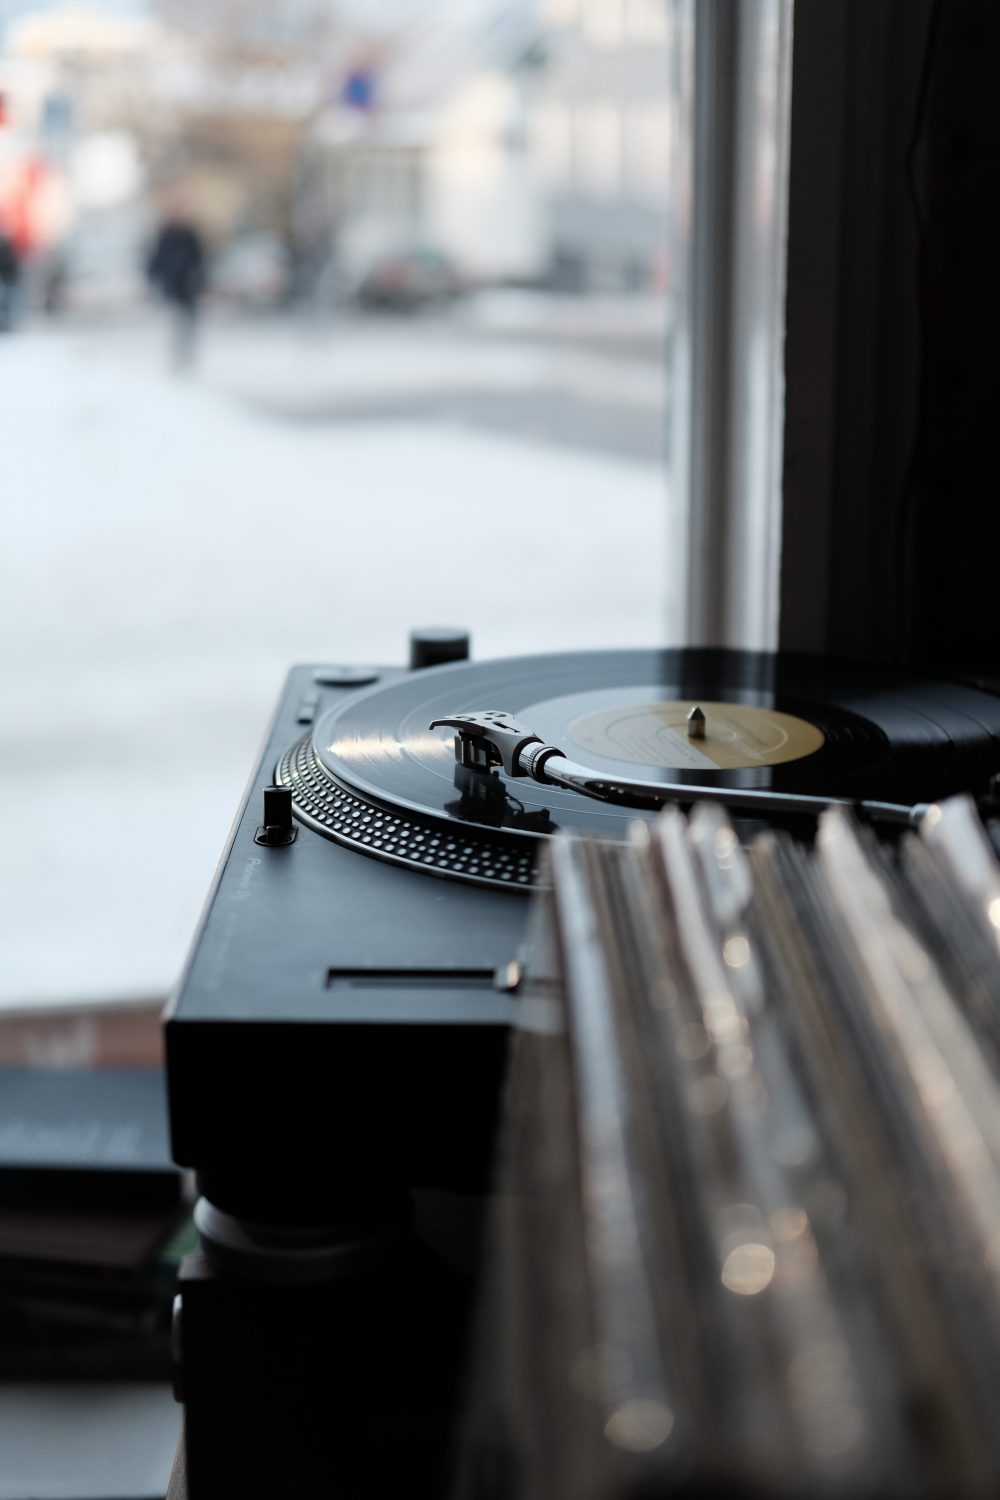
x=893, y=274
x=955, y=528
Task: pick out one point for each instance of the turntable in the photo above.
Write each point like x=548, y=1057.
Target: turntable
x=357, y=964
x=339, y=1035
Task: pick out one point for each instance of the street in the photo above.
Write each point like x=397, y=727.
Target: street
x=312, y=489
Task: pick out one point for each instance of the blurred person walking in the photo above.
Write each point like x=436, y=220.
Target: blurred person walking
x=10, y=275
x=176, y=268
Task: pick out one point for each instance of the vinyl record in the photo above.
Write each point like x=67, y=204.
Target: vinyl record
x=781, y=722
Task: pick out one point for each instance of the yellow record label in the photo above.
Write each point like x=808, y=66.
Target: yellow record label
x=736, y=735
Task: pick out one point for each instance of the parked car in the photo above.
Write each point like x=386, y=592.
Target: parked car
x=410, y=278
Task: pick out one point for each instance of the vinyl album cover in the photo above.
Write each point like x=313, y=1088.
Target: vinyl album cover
x=750, y=1169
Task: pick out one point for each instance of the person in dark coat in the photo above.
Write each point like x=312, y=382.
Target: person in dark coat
x=10, y=275
x=176, y=268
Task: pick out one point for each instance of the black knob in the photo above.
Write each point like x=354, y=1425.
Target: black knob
x=433, y=645
x=278, y=826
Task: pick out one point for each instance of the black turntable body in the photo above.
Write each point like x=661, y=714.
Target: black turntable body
x=343, y=1014
x=339, y=1036
x=341, y=1017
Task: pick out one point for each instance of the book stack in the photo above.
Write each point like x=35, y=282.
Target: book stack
x=92, y=1224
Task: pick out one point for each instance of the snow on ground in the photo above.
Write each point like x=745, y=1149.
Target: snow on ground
x=168, y=551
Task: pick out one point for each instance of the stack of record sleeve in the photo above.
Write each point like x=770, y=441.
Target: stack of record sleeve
x=749, y=1233
x=92, y=1224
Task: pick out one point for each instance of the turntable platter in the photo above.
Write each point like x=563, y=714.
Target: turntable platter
x=774, y=722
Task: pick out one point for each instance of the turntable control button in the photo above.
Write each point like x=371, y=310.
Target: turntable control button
x=433, y=645
x=278, y=826
x=306, y=711
x=342, y=676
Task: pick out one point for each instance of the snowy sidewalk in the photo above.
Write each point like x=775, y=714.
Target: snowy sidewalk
x=167, y=554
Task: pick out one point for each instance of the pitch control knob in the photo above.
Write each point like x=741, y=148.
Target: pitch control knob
x=434, y=645
x=278, y=826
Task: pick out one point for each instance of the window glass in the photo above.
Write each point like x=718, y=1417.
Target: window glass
x=323, y=322
x=648, y=144
x=559, y=12
x=598, y=139
x=602, y=22
x=554, y=144
x=646, y=21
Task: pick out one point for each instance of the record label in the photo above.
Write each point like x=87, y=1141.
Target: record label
x=736, y=735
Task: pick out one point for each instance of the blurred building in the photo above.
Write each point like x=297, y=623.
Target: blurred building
x=484, y=196
x=129, y=114
x=82, y=67
x=602, y=122
x=542, y=156
x=425, y=143
x=77, y=86
x=458, y=179
x=528, y=142
x=235, y=91
x=361, y=187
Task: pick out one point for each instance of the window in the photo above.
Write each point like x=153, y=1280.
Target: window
x=598, y=148
x=427, y=382
x=559, y=13
x=463, y=335
x=555, y=144
x=602, y=22
x=646, y=21
x=648, y=146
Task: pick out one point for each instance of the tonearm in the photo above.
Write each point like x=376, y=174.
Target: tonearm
x=491, y=737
